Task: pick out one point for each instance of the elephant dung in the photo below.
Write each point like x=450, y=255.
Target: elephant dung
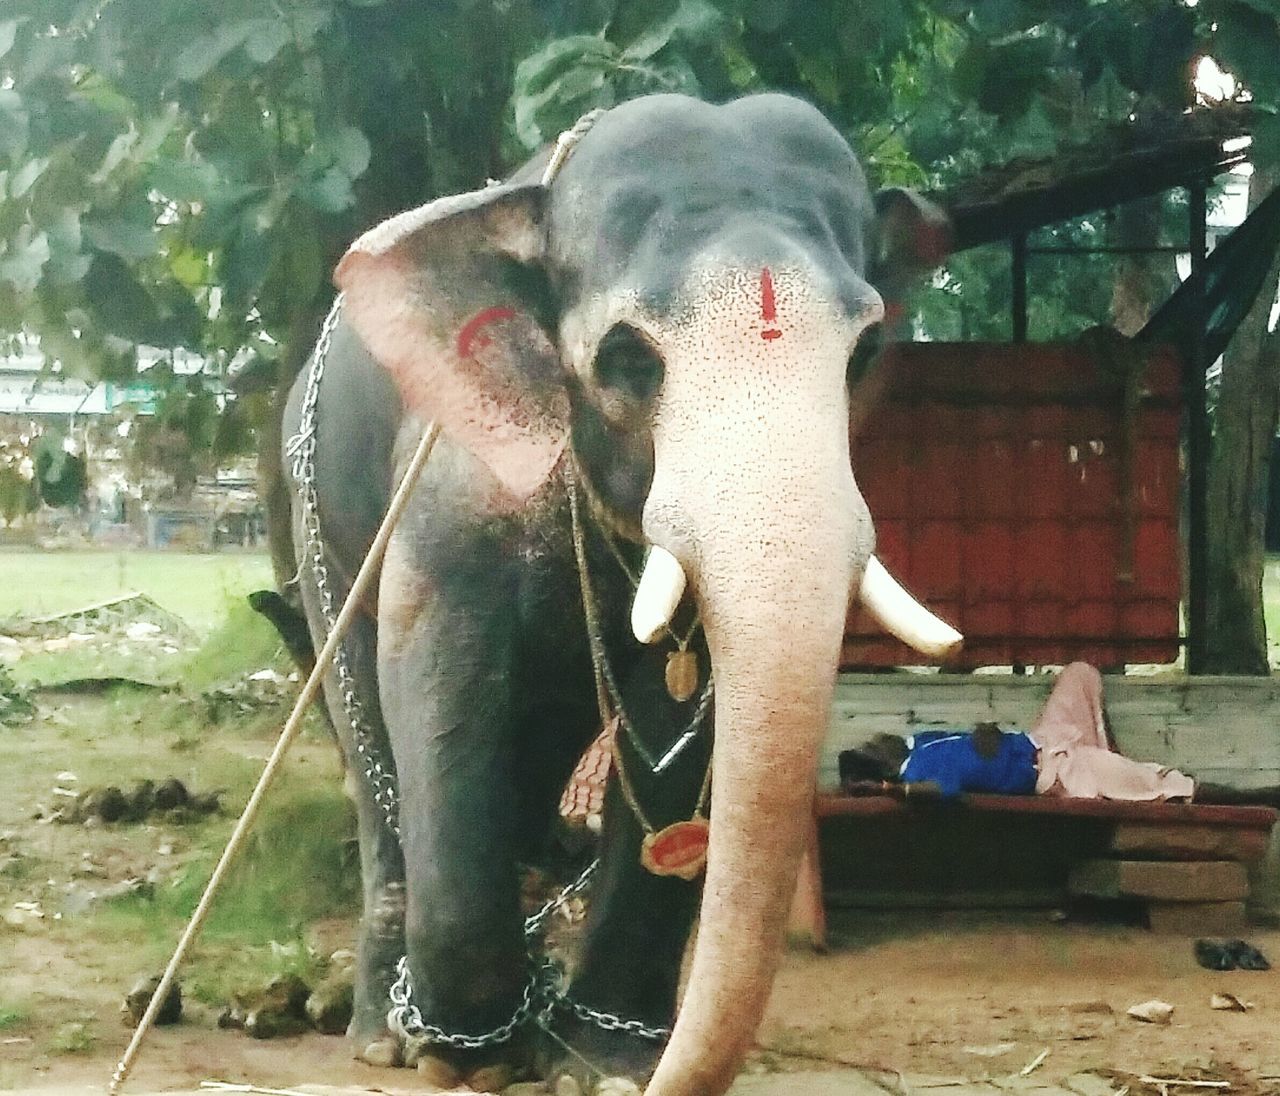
x=279, y=1008
x=108, y=804
x=171, y=793
x=139, y=997
x=329, y=1007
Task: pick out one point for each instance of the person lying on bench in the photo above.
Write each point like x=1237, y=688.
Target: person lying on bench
x=1068, y=752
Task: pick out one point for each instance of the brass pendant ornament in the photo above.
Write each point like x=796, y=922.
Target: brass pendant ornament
x=682, y=674
x=679, y=849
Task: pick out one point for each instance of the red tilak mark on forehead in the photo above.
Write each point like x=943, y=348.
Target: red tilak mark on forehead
x=768, y=306
x=473, y=337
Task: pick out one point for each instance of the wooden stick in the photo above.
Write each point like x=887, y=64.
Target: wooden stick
x=227, y=1086
x=368, y=569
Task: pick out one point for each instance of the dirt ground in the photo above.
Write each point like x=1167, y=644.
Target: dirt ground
x=946, y=996
x=943, y=1000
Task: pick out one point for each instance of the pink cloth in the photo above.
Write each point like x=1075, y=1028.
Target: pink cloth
x=1077, y=760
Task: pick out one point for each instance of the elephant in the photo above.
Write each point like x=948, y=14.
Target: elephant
x=640, y=508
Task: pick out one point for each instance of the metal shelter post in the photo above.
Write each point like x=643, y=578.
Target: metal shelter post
x=1018, y=270
x=1198, y=440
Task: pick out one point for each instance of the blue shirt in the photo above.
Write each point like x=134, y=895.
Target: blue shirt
x=949, y=759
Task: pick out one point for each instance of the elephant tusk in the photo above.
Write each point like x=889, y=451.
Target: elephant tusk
x=899, y=614
x=658, y=592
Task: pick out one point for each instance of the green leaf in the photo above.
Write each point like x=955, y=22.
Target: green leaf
x=767, y=16
x=186, y=180
x=822, y=77
x=117, y=152
x=268, y=38
x=1266, y=7
x=693, y=23
x=118, y=301
x=25, y=177
x=1248, y=45
x=14, y=124
x=330, y=192
x=1266, y=142
x=127, y=239
x=206, y=50
x=155, y=130
x=189, y=266
x=24, y=259
x=540, y=69
x=350, y=149
x=8, y=32
x=67, y=265
x=565, y=71
x=1034, y=134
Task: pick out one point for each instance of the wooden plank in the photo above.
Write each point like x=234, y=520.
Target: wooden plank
x=1259, y=818
x=1196, y=918
x=853, y=898
x=1167, y=881
x=1142, y=840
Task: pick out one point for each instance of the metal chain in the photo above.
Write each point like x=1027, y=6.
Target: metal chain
x=302, y=448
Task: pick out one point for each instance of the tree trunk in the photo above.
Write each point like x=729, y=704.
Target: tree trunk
x=1239, y=470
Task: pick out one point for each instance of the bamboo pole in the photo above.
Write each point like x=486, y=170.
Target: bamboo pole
x=368, y=569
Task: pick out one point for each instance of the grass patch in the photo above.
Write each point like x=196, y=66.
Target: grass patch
x=11, y=1018
x=198, y=588
x=243, y=641
x=74, y=1037
x=300, y=867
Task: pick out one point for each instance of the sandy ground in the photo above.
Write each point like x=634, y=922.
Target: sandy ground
x=939, y=998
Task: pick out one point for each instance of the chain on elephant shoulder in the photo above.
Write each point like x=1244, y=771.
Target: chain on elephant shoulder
x=301, y=448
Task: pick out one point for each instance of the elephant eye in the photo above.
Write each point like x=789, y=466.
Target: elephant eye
x=627, y=364
x=864, y=355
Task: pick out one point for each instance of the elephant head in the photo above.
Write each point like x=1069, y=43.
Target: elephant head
x=689, y=306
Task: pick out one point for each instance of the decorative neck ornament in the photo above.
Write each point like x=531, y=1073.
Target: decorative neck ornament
x=679, y=849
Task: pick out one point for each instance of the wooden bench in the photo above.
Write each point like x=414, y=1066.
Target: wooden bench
x=1187, y=862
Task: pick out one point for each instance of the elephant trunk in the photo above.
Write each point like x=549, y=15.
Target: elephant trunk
x=773, y=587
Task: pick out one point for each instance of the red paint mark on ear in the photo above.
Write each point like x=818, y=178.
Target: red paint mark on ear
x=768, y=306
x=473, y=337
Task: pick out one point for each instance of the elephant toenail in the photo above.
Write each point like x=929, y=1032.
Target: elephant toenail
x=493, y=1078
x=617, y=1086
x=437, y=1072
x=382, y=1052
x=567, y=1086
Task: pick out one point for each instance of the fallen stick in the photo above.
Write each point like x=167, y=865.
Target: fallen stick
x=1176, y=1081
x=292, y=725
x=1034, y=1064
x=228, y=1086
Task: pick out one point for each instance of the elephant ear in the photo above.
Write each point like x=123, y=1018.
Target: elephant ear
x=447, y=298
x=912, y=237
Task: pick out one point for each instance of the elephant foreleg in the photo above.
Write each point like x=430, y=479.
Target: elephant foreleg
x=446, y=694
x=381, y=936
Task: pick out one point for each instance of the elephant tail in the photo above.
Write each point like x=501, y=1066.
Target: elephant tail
x=290, y=623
